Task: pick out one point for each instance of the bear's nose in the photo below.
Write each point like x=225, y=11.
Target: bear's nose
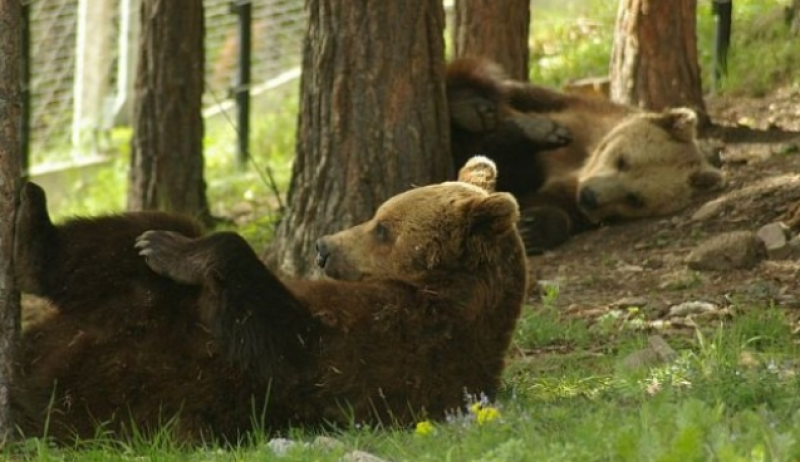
x=322, y=253
x=587, y=199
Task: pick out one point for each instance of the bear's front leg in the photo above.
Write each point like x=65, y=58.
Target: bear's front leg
x=34, y=241
x=257, y=321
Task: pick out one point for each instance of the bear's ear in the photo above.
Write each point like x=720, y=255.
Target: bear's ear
x=479, y=171
x=495, y=214
x=680, y=122
x=707, y=179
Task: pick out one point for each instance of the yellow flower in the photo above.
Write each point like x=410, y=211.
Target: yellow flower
x=476, y=408
x=487, y=414
x=424, y=428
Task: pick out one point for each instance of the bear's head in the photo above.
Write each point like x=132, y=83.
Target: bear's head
x=430, y=231
x=648, y=165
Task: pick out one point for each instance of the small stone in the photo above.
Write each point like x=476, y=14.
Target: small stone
x=640, y=359
x=626, y=268
x=775, y=240
x=629, y=302
x=794, y=247
x=281, y=446
x=327, y=443
x=360, y=456
x=692, y=308
x=733, y=250
x=708, y=210
x=657, y=352
x=665, y=352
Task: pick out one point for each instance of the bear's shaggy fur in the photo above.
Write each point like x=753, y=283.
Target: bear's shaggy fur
x=621, y=162
x=157, y=324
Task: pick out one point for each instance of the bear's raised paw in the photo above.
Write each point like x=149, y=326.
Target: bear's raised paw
x=172, y=255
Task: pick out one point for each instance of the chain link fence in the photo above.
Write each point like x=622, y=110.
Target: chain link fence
x=277, y=31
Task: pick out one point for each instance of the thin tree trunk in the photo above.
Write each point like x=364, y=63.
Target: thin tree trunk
x=10, y=178
x=373, y=118
x=794, y=12
x=167, y=152
x=494, y=29
x=654, y=61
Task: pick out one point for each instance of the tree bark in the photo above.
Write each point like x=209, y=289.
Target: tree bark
x=373, y=119
x=10, y=178
x=654, y=60
x=794, y=12
x=166, y=153
x=494, y=29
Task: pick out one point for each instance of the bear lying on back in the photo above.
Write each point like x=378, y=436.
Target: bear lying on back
x=195, y=331
x=615, y=161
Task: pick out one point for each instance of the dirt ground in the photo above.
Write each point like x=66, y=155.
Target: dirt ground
x=642, y=263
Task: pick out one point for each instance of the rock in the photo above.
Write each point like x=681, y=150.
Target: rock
x=327, y=443
x=794, y=247
x=360, y=456
x=629, y=302
x=665, y=352
x=694, y=307
x=640, y=359
x=708, y=210
x=775, y=237
x=727, y=251
x=657, y=352
x=281, y=446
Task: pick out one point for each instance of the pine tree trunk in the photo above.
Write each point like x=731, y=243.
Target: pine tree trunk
x=10, y=178
x=654, y=61
x=167, y=151
x=494, y=29
x=373, y=120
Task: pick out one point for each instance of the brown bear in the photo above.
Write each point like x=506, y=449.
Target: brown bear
x=158, y=325
x=621, y=162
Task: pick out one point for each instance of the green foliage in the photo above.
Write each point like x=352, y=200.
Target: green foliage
x=571, y=41
x=543, y=326
x=709, y=404
x=760, y=36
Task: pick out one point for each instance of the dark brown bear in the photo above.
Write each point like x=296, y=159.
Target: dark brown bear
x=621, y=162
x=158, y=325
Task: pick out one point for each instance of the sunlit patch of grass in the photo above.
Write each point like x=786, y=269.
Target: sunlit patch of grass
x=760, y=34
x=571, y=41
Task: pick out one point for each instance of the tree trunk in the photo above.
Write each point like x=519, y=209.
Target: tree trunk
x=654, y=61
x=794, y=12
x=494, y=29
x=373, y=118
x=166, y=153
x=10, y=177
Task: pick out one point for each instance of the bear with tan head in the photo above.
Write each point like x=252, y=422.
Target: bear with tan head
x=157, y=324
x=618, y=163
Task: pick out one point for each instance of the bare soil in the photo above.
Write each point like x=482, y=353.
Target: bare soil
x=641, y=263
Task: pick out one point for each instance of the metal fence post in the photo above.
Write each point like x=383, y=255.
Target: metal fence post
x=241, y=89
x=722, y=10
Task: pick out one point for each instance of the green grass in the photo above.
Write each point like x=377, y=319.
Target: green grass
x=734, y=394
x=574, y=40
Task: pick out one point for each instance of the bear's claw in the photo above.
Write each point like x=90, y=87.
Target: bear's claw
x=543, y=130
x=543, y=228
x=167, y=253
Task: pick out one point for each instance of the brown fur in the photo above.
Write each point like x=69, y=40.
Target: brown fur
x=420, y=311
x=484, y=122
x=566, y=189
